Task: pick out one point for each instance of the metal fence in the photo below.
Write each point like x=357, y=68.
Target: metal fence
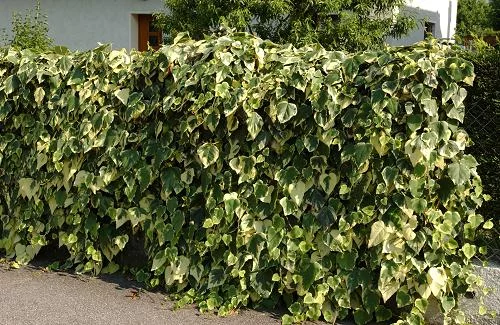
x=482, y=123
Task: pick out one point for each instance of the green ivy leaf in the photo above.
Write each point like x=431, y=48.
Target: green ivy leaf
x=216, y=277
x=448, y=303
x=414, y=122
x=347, y=260
x=382, y=314
x=326, y=216
x=419, y=205
x=159, y=260
x=351, y=67
x=459, y=173
x=469, y=250
x=359, y=152
x=309, y=273
x=362, y=317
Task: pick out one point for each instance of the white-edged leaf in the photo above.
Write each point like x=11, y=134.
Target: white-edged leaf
x=39, y=95
x=208, y=153
x=254, y=124
x=286, y=111
x=378, y=234
x=297, y=191
x=122, y=95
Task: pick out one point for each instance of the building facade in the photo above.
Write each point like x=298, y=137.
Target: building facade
x=82, y=24
x=438, y=17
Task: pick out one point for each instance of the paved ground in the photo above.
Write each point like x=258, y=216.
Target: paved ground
x=491, y=277
x=31, y=295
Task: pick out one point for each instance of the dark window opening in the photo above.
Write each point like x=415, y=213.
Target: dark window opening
x=153, y=41
x=429, y=28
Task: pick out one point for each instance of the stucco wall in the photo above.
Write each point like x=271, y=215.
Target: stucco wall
x=441, y=12
x=81, y=24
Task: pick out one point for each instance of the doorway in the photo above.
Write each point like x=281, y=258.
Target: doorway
x=148, y=33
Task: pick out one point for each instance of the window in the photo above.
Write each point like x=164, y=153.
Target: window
x=429, y=28
x=148, y=34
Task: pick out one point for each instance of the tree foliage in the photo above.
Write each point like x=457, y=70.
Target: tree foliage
x=30, y=31
x=336, y=24
x=495, y=14
x=473, y=17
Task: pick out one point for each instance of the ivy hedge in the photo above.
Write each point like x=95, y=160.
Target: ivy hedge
x=256, y=172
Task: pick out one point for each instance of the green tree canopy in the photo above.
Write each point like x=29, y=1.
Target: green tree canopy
x=30, y=31
x=473, y=17
x=336, y=24
x=495, y=14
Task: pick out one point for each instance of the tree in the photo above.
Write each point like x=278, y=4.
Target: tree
x=30, y=31
x=495, y=14
x=473, y=17
x=336, y=24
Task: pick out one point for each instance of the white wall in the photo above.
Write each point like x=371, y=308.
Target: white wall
x=441, y=12
x=81, y=24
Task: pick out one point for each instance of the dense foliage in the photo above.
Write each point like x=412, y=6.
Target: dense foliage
x=495, y=13
x=255, y=172
x=475, y=17
x=336, y=24
x=482, y=123
x=30, y=31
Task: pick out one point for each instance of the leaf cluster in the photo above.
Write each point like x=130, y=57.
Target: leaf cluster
x=256, y=172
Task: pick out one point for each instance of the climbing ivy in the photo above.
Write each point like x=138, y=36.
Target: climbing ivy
x=255, y=171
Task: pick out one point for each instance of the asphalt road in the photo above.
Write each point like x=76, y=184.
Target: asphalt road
x=34, y=296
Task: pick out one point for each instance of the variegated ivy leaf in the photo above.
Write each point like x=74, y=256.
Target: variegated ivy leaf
x=208, y=154
x=297, y=191
x=28, y=188
x=39, y=95
x=458, y=97
x=289, y=207
x=437, y=279
x=328, y=182
x=459, y=172
x=378, y=233
x=359, y=152
x=286, y=111
x=254, y=124
x=231, y=203
x=122, y=95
